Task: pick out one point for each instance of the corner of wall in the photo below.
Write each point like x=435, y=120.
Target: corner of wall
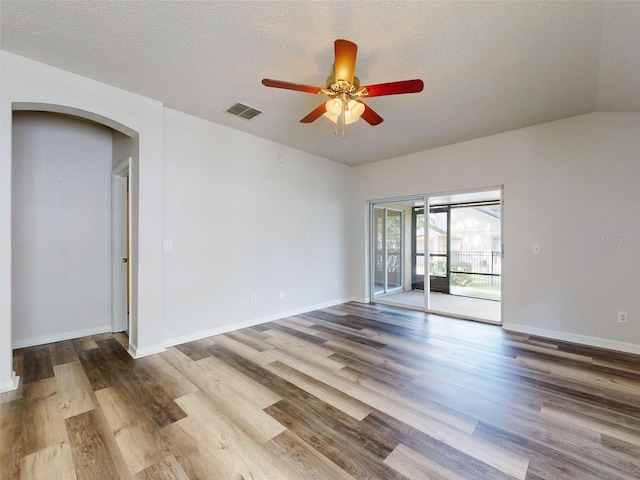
x=12, y=384
x=144, y=352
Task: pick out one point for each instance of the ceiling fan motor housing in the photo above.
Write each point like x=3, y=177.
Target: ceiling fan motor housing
x=337, y=87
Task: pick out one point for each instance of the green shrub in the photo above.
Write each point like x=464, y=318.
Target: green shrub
x=438, y=268
x=460, y=280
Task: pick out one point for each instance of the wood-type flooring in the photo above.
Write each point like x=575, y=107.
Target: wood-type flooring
x=353, y=391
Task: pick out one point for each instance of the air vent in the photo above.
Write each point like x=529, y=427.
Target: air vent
x=244, y=111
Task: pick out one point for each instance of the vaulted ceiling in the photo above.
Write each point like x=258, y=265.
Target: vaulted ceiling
x=488, y=67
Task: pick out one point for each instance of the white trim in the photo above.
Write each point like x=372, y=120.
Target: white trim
x=408, y=198
x=11, y=385
x=502, y=229
x=249, y=323
x=122, y=170
x=145, y=352
x=360, y=299
x=75, y=112
x=59, y=337
x=573, y=338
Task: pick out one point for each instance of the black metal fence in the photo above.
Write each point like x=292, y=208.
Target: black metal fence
x=472, y=274
x=477, y=262
x=468, y=262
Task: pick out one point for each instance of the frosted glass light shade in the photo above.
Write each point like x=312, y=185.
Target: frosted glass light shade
x=352, y=113
x=356, y=109
x=334, y=107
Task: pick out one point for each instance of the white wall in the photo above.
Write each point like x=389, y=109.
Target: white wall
x=242, y=223
x=26, y=83
x=571, y=186
x=61, y=216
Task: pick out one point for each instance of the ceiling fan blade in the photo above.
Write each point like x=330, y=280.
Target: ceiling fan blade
x=267, y=82
x=316, y=114
x=345, y=64
x=371, y=117
x=392, y=88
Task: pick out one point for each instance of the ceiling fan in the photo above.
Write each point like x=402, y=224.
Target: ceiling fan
x=344, y=90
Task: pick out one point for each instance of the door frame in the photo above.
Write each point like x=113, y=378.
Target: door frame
x=119, y=240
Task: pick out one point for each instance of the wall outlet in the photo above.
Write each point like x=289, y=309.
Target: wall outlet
x=335, y=285
x=281, y=294
x=254, y=299
x=623, y=317
x=167, y=246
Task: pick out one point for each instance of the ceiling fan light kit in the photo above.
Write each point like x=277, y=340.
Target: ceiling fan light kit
x=344, y=91
x=351, y=110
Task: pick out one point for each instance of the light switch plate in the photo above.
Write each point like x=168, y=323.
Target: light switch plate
x=536, y=248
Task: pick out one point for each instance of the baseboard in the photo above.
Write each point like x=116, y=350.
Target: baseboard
x=360, y=299
x=59, y=337
x=10, y=385
x=250, y=323
x=136, y=352
x=573, y=338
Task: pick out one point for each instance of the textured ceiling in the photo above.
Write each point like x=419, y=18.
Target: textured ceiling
x=488, y=67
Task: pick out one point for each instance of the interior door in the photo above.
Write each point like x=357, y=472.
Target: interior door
x=128, y=264
x=120, y=234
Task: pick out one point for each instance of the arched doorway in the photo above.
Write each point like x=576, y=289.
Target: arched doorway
x=123, y=148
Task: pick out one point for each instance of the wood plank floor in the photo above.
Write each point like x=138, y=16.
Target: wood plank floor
x=354, y=391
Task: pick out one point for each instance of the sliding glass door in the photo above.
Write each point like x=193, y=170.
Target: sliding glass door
x=439, y=265
x=476, y=250
x=440, y=254
x=388, y=226
x=417, y=248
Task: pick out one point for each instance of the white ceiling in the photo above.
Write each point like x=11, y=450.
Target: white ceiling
x=488, y=67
